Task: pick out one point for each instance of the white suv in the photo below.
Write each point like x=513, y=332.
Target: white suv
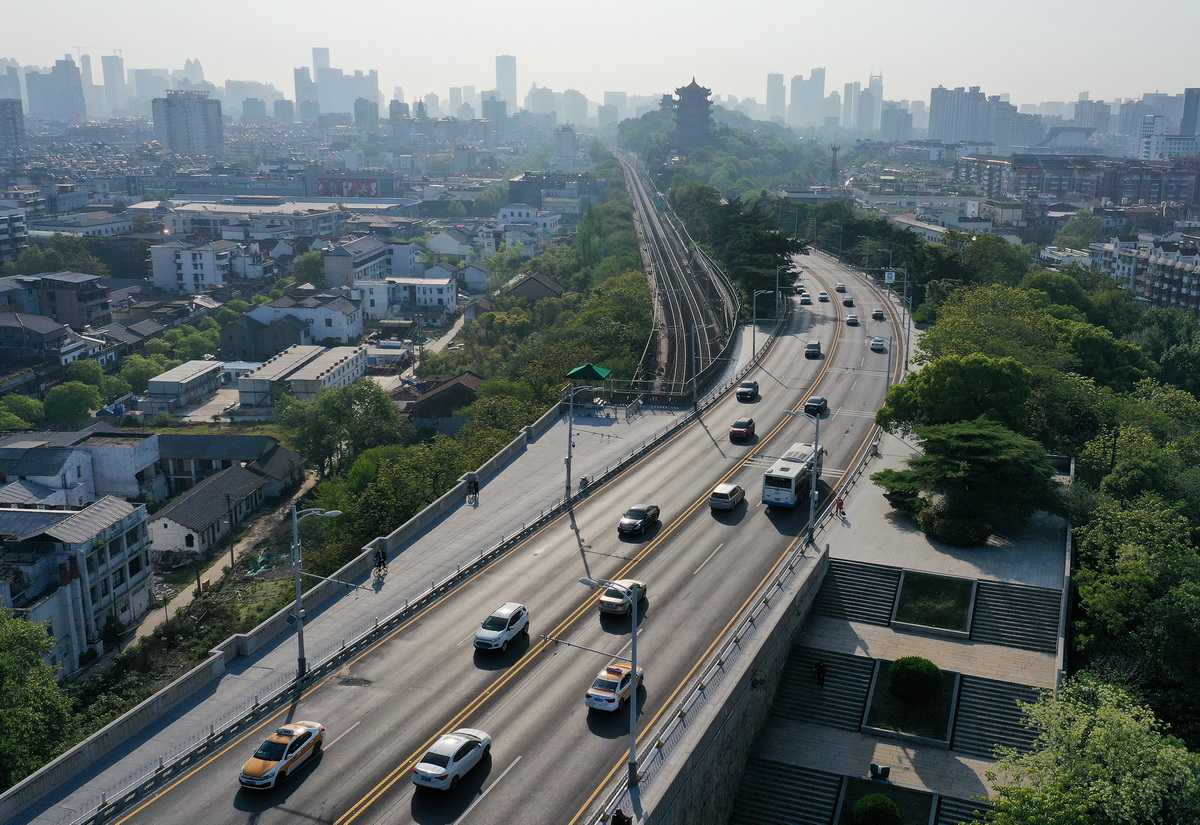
x=507, y=621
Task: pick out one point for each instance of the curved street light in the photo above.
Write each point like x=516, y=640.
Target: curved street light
x=599, y=584
x=297, y=517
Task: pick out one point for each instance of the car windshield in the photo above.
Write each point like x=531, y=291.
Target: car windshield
x=719, y=494
x=270, y=751
x=495, y=623
x=439, y=759
x=636, y=513
x=614, y=593
x=605, y=683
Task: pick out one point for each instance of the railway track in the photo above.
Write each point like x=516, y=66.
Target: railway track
x=695, y=311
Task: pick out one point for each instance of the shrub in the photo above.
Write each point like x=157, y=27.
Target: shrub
x=875, y=809
x=914, y=679
x=959, y=530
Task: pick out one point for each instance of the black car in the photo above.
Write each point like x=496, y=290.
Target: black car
x=815, y=405
x=847, y=301
x=637, y=518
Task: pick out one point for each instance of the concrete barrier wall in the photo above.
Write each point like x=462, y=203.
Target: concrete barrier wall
x=702, y=792
x=111, y=736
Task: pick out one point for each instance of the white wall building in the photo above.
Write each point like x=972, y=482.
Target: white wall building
x=392, y=297
x=329, y=317
x=191, y=268
x=335, y=367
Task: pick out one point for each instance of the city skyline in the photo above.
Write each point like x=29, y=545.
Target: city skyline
x=626, y=49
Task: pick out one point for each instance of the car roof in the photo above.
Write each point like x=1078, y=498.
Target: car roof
x=743, y=421
x=725, y=488
x=508, y=608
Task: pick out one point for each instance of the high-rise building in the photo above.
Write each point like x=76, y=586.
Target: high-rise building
x=957, y=114
x=57, y=94
x=306, y=89
x=776, y=97
x=506, y=79
x=254, y=110
x=607, y=119
x=867, y=110
x=12, y=124
x=895, y=123
x=188, y=123
x=116, y=92
x=619, y=101
x=574, y=107
x=320, y=58
x=1094, y=114
x=93, y=95
x=807, y=104
x=366, y=114
x=875, y=84
x=284, y=111
x=1190, y=122
x=850, y=94
x=193, y=72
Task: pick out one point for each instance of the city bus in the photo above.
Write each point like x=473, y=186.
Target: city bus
x=790, y=478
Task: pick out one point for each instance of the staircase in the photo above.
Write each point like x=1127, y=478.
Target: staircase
x=956, y=811
x=840, y=703
x=1015, y=615
x=774, y=793
x=858, y=592
x=988, y=715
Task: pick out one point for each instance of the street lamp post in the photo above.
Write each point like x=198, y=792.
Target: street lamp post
x=777, y=301
x=597, y=584
x=571, y=390
x=297, y=517
x=754, y=319
x=695, y=359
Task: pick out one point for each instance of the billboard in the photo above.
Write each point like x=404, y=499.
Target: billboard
x=347, y=188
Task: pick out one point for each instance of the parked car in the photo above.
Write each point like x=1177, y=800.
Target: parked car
x=615, y=598
x=840, y=288
x=637, y=518
x=451, y=758
x=507, y=622
x=877, y=315
x=747, y=391
x=612, y=687
x=741, y=429
x=852, y=320
x=812, y=349
x=286, y=749
x=878, y=345
x=726, y=497
x=816, y=405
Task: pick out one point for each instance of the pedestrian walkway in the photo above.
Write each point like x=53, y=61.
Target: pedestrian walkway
x=528, y=485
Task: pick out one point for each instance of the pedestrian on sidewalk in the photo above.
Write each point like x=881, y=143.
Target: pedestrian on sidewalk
x=819, y=673
x=473, y=489
x=839, y=507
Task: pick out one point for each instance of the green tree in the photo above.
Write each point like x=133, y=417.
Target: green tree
x=998, y=321
x=86, y=372
x=71, y=404
x=8, y=421
x=1081, y=229
x=65, y=253
x=113, y=387
x=36, y=712
x=139, y=369
x=342, y=423
x=1101, y=758
x=959, y=388
x=309, y=268
x=29, y=410
x=972, y=476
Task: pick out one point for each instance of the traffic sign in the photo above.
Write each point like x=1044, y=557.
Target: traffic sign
x=889, y=277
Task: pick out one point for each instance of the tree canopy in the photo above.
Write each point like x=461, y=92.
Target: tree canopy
x=71, y=404
x=959, y=388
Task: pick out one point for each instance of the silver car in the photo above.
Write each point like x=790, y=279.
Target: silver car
x=726, y=497
x=450, y=758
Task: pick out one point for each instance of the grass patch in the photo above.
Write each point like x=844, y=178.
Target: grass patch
x=915, y=806
x=934, y=601
x=889, y=713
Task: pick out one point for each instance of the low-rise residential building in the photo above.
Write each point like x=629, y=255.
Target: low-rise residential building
x=190, y=268
x=250, y=339
x=187, y=384
x=335, y=367
x=102, y=461
x=14, y=234
x=206, y=218
x=263, y=386
x=329, y=315
x=452, y=242
x=1164, y=273
x=187, y=460
x=74, y=570
x=392, y=297
x=475, y=278
x=31, y=339
x=87, y=224
x=359, y=259
x=197, y=521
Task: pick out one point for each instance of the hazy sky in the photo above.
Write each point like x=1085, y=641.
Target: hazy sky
x=1033, y=49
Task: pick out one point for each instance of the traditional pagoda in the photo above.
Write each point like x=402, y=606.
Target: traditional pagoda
x=693, y=121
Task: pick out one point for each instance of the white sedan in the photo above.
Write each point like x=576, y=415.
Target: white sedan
x=451, y=758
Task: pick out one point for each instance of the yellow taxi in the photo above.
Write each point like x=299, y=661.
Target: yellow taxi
x=284, y=751
x=613, y=686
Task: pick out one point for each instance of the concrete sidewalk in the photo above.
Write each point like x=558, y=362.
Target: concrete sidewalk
x=529, y=484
